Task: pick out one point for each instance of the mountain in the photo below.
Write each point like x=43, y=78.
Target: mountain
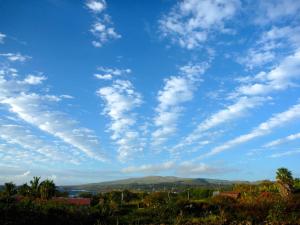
x=151, y=183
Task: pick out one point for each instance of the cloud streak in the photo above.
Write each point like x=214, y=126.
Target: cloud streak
x=120, y=99
x=35, y=109
x=102, y=28
x=280, y=141
x=2, y=37
x=264, y=128
x=176, y=91
x=15, y=57
x=190, y=22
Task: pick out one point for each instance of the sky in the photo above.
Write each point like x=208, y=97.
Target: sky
x=98, y=90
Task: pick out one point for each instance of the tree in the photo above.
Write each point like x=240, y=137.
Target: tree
x=35, y=187
x=9, y=189
x=47, y=189
x=297, y=183
x=285, y=182
x=24, y=190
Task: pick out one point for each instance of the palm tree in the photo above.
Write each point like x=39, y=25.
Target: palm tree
x=10, y=189
x=285, y=182
x=24, y=190
x=35, y=186
x=47, y=189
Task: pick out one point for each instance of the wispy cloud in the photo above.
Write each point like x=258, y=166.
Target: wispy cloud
x=15, y=57
x=32, y=108
x=280, y=141
x=250, y=95
x=15, y=174
x=16, y=155
x=274, y=10
x=272, y=43
x=264, y=128
x=284, y=154
x=2, y=37
x=36, y=109
x=96, y=6
x=279, y=78
x=150, y=168
x=34, y=80
x=257, y=57
x=120, y=100
x=190, y=22
x=102, y=28
x=110, y=73
x=232, y=112
x=22, y=136
x=186, y=169
x=176, y=91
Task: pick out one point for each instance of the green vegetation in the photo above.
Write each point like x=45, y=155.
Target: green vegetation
x=260, y=203
x=285, y=182
x=154, y=183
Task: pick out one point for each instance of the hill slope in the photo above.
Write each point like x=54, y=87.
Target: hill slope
x=153, y=183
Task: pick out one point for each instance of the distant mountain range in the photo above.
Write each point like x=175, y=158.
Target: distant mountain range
x=151, y=183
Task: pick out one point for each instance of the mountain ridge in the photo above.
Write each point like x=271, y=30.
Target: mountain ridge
x=153, y=182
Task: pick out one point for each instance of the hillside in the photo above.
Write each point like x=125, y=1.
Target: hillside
x=153, y=183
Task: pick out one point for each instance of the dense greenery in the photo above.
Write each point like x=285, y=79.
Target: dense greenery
x=260, y=203
x=154, y=183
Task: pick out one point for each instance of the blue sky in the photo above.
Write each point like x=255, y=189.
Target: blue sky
x=100, y=90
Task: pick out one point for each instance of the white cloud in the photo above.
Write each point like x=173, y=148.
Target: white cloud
x=280, y=141
x=15, y=57
x=194, y=169
x=264, y=128
x=266, y=49
x=176, y=91
x=35, y=109
x=16, y=175
x=103, y=32
x=103, y=76
x=256, y=58
x=186, y=168
x=283, y=154
x=2, y=37
x=102, y=28
x=34, y=80
x=110, y=73
x=279, y=78
x=231, y=112
x=149, y=168
x=120, y=99
x=24, y=138
x=96, y=6
x=66, y=96
x=15, y=155
x=279, y=37
x=274, y=10
x=32, y=108
x=190, y=21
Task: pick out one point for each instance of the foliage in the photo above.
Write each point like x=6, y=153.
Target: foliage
x=285, y=182
x=297, y=184
x=285, y=176
x=259, y=203
x=47, y=189
x=24, y=190
x=35, y=187
x=9, y=189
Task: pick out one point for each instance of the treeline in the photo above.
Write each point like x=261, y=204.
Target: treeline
x=36, y=189
x=264, y=203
